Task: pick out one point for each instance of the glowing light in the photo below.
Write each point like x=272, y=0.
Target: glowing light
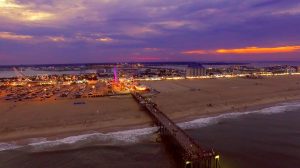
x=217, y=157
x=258, y=50
x=187, y=162
x=105, y=39
x=141, y=88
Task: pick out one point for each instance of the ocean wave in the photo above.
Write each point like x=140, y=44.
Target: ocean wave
x=136, y=135
x=202, y=122
x=8, y=146
x=120, y=137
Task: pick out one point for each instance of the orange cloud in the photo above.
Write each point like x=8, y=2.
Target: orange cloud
x=13, y=36
x=196, y=52
x=246, y=50
x=104, y=39
x=258, y=50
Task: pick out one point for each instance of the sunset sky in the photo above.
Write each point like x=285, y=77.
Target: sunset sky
x=92, y=31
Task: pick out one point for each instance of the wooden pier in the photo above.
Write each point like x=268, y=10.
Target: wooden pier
x=188, y=153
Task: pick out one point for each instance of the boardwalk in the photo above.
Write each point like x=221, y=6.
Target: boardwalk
x=191, y=153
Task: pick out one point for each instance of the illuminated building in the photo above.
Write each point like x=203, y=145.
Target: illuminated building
x=195, y=70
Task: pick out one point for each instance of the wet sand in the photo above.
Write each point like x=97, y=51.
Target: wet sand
x=181, y=100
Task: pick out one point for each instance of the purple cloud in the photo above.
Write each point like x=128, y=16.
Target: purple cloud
x=111, y=30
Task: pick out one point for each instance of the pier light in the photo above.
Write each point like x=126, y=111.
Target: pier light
x=188, y=162
x=217, y=157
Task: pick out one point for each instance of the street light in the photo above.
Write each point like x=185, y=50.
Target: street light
x=217, y=157
x=188, y=164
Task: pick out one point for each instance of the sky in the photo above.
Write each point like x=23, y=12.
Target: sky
x=94, y=31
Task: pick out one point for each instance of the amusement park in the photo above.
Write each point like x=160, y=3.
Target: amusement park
x=44, y=86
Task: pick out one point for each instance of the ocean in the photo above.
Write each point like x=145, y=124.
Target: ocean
x=266, y=138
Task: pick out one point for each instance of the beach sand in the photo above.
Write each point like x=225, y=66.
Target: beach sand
x=188, y=99
x=181, y=100
x=62, y=117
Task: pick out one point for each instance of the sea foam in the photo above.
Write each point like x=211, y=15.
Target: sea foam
x=8, y=146
x=206, y=121
x=120, y=137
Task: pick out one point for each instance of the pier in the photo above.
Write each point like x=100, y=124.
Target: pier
x=188, y=153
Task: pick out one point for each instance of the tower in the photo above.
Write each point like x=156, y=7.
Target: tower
x=116, y=80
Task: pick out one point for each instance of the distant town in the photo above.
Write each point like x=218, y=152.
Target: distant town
x=86, y=81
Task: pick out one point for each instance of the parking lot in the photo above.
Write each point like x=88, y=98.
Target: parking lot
x=54, y=92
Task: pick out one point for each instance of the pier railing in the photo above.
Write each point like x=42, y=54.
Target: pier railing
x=188, y=152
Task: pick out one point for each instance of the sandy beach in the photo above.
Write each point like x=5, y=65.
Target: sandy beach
x=181, y=100
x=188, y=99
x=62, y=117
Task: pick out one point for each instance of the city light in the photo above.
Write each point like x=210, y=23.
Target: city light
x=187, y=162
x=72, y=72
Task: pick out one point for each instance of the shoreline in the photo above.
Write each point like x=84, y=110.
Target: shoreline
x=249, y=109
x=57, y=136
x=181, y=101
